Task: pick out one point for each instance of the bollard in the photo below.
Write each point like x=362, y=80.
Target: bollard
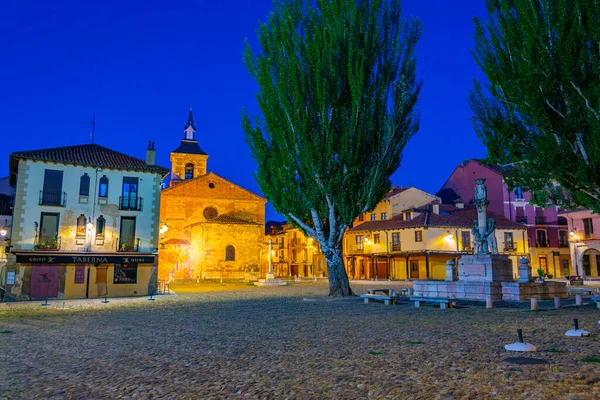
x=577, y=332
x=45, y=304
x=105, y=300
x=534, y=304
x=578, y=300
x=488, y=302
x=557, y=302
x=520, y=335
x=575, y=323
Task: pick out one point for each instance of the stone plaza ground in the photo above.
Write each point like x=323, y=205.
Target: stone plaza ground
x=235, y=341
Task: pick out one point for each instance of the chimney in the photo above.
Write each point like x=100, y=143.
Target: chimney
x=150, y=154
x=459, y=203
x=435, y=206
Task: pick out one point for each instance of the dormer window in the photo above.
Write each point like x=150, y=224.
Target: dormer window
x=189, y=171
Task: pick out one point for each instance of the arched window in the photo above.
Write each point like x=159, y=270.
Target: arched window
x=100, y=224
x=84, y=185
x=230, y=253
x=81, y=223
x=103, y=190
x=189, y=171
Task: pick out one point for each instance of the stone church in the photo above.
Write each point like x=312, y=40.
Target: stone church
x=212, y=228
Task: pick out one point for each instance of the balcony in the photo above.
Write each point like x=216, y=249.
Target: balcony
x=293, y=242
x=563, y=243
x=123, y=246
x=466, y=247
x=521, y=219
x=47, y=243
x=540, y=221
x=53, y=199
x=356, y=250
x=541, y=244
x=509, y=247
x=131, y=203
x=396, y=247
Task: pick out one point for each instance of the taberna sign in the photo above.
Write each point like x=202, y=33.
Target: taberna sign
x=83, y=259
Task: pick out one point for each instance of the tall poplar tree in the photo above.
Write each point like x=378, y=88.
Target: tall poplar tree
x=337, y=94
x=540, y=112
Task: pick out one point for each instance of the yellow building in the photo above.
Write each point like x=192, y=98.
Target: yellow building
x=416, y=243
x=215, y=228
x=293, y=253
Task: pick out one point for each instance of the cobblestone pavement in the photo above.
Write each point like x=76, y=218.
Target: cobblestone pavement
x=270, y=343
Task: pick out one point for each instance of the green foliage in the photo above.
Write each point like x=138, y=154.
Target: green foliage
x=413, y=342
x=591, y=359
x=337, y=94
x=375, y=353
x=540, y=112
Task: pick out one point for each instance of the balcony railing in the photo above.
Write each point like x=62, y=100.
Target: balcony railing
x=541, y=244
x=47, y=243
x=356, y=249
x=126, y=246
x=293, y=242
x=466, y=247
x=131, y=203
x=56, y=199
x=396, y=247
x=540, y=221
x=509, y=247
x=522, y=220
x=563, y=243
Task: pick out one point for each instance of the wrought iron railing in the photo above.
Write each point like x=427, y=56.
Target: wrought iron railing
x=522, y=219
x=540, y=221
x=128, y=246
x=396, y=247
x=47, y=243
x=563, y=243
x=57, y=199
x=541, y=244
x=131, y=203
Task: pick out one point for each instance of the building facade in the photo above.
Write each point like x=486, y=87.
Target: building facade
x=547, y=232
x=85, y=223
x=294, y=254
x=417, y=243
x=214, y=228
x=6, y=203
x=584, y=240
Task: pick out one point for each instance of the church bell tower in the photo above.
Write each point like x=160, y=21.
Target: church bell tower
x=188, y=161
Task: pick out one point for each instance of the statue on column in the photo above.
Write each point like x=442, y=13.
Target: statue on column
x=484, y=230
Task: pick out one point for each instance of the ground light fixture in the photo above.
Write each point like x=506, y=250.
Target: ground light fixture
x=449, y=237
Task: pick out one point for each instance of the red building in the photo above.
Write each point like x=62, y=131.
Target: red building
x=547, y=232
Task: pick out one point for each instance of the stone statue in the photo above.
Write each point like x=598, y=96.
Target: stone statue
x=478, y=242
x=492, y=243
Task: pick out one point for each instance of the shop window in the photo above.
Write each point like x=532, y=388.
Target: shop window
x=125, y=273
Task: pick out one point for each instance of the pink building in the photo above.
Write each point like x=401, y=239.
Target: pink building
x=584, y=234
x=547, y=232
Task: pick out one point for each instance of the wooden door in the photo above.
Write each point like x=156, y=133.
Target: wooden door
x=382, y=272
x=44, y=281
x=294, y=270
x=414, y=270
x=101, y=274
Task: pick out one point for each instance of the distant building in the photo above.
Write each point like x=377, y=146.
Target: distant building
x=6, y=202
x=584, y=239
x=294, y=254
x=85, y=223
x=215, y=228
x=417, y=243
x=547, y=232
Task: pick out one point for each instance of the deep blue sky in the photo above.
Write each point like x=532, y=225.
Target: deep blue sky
x=139, y=65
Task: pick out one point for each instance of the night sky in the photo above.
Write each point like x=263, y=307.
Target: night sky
x=140, y=66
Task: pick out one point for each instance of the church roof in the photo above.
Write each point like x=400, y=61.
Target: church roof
x=190, y=121
x=189, y=147
x=230, y=219
x=85, y=154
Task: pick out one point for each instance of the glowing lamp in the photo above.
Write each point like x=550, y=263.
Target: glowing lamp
x=3, y=232
x=572, y=233
x=90, y=226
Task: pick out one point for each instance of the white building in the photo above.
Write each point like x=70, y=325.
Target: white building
x=85, y=223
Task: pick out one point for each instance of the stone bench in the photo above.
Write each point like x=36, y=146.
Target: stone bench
x=387, y=300
x=444, y=303
x=387, y=292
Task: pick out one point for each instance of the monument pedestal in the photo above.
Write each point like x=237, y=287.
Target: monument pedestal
x=515, y=291
x=270, y=281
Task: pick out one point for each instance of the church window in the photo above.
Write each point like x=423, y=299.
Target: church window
x=211, y=185
x=210, y=213
x=103, y=190
x=84, y=185
x=230, y=253
x=189, y=171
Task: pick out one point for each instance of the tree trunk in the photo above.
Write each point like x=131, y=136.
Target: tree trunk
x=339, y=285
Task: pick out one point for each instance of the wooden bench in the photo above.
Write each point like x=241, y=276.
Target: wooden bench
x=387, y=299
x=444, y=303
